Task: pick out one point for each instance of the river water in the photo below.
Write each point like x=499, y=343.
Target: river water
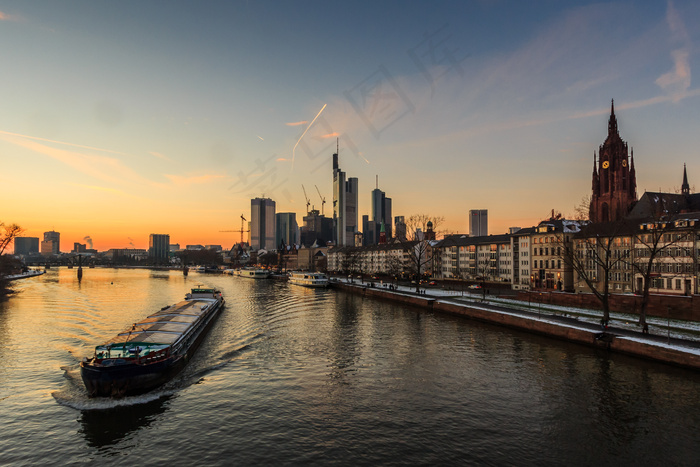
x=294, y=376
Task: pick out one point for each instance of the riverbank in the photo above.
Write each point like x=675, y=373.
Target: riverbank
x=679, y=349
x=25, y=275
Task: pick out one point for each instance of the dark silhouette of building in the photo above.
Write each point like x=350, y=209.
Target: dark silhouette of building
x=159, y=248
x=26, y=245
x=429, y=232
x=614, y=182
x=317, y=229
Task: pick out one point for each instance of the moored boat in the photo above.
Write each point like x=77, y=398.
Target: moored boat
x=253, y=273
x=153, y=350
x=308, y=279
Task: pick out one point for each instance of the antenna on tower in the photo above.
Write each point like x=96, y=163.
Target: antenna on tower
x=377, y=181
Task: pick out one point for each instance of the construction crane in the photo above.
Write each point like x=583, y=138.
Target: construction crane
x=308, y=203
x=323, y=200
x=243, y=219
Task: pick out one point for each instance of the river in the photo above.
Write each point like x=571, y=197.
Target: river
x=293, y=376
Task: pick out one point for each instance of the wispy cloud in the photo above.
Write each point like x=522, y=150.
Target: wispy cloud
x=6, y=17
x=107, y=169
x=335, y=134
x=193, y=180
x=98, y=188
x=104, y=189
x=677, y=81
x=160, y=156
x=303, y=122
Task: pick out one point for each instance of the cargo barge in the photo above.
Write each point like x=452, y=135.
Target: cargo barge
x=153, y=350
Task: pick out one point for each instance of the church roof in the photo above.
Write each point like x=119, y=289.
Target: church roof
x=653, y=204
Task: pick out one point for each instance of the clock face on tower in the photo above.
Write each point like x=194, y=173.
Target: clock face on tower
x=624, y=163
x=606, y=164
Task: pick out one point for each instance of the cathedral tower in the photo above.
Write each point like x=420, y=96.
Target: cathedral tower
x=614, y=180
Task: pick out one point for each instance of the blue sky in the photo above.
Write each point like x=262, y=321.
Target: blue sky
x=126, y=118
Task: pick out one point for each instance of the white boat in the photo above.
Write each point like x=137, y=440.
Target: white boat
x=253, y=273
x=308, y=279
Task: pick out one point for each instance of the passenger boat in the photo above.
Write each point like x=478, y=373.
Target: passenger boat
x=253, y=273
x=152, y=351
x=308, y=279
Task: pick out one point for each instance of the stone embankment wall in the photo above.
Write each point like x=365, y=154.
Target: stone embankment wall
x=685, y=308
x=572, y=334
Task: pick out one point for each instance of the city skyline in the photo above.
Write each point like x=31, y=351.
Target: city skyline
x=128, y=119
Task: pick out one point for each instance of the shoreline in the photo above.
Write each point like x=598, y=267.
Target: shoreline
x=673, y=351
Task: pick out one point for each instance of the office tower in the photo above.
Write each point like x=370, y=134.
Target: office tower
x=51, y=244
x=262, y=224
x=286, y=228
x=370, y=231
x=159, y=248
x=400, y=224
x=344, y=206
x=317, y=229
x=478, y=223
x=26, y=245
x=381, y=213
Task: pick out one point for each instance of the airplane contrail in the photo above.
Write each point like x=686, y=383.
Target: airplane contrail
x=307, y=129
x=62, y=142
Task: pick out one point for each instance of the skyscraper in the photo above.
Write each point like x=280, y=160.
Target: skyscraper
x=478, y=223
x=159, y=248
x=51, y=244
x=262, y=224
x=286, y=229
x=26, y=245
x=400, y=223
x=381, y=213
x=344, y=206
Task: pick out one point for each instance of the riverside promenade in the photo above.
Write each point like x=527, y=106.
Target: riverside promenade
x=669, y=341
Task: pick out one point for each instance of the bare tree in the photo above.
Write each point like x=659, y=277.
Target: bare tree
x=417, y=247
x=7, y=263
x=594, y=254
x=9, y=233
x=653, y=240
x=582, y=210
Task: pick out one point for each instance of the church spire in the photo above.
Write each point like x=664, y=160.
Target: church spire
x=685, y=188
x=612, y=122
x=595, y=169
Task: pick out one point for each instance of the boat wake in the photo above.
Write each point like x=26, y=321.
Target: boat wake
x=74, y=395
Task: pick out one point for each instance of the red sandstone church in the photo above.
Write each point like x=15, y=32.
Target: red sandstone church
x=614, y=182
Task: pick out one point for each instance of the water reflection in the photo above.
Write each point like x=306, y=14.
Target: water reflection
x=344, y=349
x=103, y=428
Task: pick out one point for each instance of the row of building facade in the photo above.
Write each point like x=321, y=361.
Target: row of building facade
x=557, y=254
x=655, y=239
